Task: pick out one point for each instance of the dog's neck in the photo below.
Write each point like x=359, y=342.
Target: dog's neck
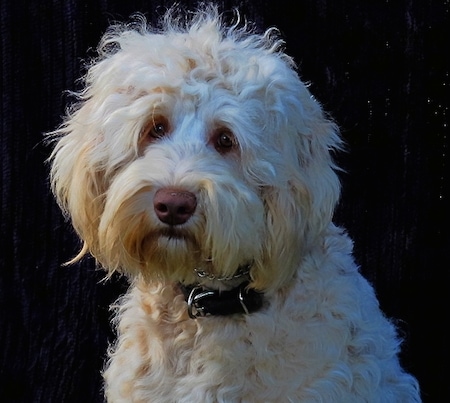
x=213, y=281
x=222, y=296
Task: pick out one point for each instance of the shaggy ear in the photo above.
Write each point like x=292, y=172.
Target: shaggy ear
x=317, y=171
x=284, y=243
x=299, y=208
x=78, y=185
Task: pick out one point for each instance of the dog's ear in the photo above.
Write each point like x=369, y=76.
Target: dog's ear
x=299, y=208
x=316, y=183
x=77, y=181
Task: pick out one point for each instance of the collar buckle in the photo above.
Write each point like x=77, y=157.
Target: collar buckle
x=202, y=302
x=195, y=309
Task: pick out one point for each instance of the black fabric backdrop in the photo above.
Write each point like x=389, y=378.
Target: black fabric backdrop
x=381, y=69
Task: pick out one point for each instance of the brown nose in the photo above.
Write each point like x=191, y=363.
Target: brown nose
x=174, y=206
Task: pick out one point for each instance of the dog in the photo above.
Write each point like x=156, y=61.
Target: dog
x=197, y=163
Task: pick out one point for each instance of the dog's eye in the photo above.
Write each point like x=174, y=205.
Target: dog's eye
x=224, y=141
x=157, y=130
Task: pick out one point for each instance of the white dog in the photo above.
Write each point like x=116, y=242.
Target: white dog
x=199, y=164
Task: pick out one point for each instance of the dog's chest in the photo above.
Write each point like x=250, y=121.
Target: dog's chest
x=170, y=356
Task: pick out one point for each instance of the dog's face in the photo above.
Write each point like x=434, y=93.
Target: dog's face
x=196, y=148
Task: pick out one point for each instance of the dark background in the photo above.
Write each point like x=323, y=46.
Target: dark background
x=381, y=68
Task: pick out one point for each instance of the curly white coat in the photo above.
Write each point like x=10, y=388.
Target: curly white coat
x=220, y=113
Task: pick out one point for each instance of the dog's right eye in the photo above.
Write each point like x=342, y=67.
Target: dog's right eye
x=155, y=129
x=158, y=131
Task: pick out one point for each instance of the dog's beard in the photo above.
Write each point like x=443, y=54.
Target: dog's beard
x=131, y=242
x=224, y=233
x=170, y=254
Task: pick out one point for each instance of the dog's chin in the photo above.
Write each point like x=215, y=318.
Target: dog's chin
x=174, y=254
x=168, y=253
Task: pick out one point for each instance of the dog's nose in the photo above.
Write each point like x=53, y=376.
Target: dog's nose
x=174, y=206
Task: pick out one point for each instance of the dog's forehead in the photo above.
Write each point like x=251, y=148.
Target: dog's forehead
x=251, y=90
x=183, y=61
x=189, y=125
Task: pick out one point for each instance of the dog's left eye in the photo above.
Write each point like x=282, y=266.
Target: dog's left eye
x=224, y=141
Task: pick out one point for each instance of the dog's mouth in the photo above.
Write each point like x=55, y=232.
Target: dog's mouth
x=173, y=238
x=172, y=232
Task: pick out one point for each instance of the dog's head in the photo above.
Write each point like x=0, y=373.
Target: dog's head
x=196, y=147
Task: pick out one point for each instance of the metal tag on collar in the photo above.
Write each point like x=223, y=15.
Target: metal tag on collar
x=195, y=296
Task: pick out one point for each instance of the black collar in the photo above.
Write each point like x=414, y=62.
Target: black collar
x=206, y=302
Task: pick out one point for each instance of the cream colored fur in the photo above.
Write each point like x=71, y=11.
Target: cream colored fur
x=220, y=112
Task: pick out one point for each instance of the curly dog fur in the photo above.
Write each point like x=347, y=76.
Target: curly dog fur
x=196, y=151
